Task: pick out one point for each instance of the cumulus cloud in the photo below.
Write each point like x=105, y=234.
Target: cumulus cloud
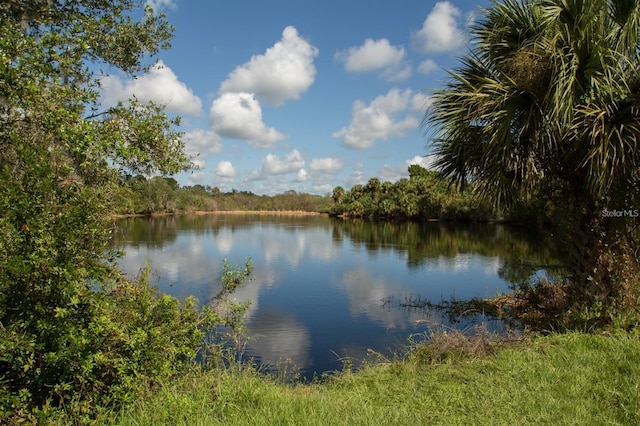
x=392, y=174
x=428, y=66
x=441, y=30
x=283, y=72
x=159, y=85
x=398, y=74
x=239, y=116
x=376, y=55
x=426, y=161
x=372, y=55
x=202, y=142
x=301, y=176
x=422, y=161
x=386, y=116
x=274, y=165
x=326, y=165
x=357, y=176
x=225, y=169
x=420, y=102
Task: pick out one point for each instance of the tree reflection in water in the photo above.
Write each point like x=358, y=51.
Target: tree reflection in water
x=326, y=288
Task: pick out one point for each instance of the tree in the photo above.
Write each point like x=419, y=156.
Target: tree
x=356, y=191
x=373, y=187
x=337, y=194
x=417, y=171
x=549, y=99
x=63, y=334
x=172, y=183
x=161, y=194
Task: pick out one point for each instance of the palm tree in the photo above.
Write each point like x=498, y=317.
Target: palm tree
x=549, y=98
x=338, y=194
x=373, y=187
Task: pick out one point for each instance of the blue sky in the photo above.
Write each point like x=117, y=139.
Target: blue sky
x=303, y=95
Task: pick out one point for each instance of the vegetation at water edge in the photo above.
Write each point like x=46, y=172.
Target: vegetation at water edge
x=543, y=115
x=560, y=379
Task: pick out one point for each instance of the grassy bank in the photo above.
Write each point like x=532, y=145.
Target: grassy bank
x=561, y=379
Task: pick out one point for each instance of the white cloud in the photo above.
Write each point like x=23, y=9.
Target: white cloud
x=357, y=176
x=284, y=72
x=428, y=66
x=323, y=188
x=158, y=5
x=201, y=141
x=274, y=165
x=239, y=116
x=225, y=169
x=159, y=85
x=376, y=55
x=386, y=116
x=398, y=74
x=302, y=175
x=420, y=102
x=426, y=161
x=440, y=31
x=326, y=165
x=372, y=55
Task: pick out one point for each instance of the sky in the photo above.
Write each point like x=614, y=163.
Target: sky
x=302, y=95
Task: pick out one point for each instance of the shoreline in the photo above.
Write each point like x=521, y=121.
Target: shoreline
x=260, y=212
x=235, y=212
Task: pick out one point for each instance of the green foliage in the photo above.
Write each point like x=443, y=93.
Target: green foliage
x=425, y=195
x=560, y=380
x=231, y=312
x=545, y=113
x=337, y=194
x=124, y=339
x=550, y=87
x=75, y=335
x=163, y=195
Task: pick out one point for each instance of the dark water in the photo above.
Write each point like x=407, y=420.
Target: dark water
x=326, y=289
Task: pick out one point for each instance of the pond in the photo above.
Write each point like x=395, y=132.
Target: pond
x=325, y=290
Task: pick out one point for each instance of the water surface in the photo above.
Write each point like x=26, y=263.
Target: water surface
x=326, y=289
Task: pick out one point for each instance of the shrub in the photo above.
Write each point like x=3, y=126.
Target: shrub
x=120, y=340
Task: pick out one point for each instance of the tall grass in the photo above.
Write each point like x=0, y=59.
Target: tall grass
x=560, y=379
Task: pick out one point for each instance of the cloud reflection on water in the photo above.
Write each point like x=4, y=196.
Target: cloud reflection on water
x=367, y=294
x=278, y=338
x=320, y=287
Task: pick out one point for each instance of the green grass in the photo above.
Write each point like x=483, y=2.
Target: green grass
x=558, y=380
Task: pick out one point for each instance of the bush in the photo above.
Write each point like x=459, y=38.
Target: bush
x=121, y=340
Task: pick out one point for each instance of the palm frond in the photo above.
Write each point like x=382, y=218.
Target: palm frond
x=550, y=92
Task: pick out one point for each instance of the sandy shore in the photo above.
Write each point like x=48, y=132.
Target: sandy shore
x=237, y=212
x=259, y=212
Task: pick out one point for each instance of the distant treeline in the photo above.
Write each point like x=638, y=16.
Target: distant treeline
x=139, y=195
x=425, y=195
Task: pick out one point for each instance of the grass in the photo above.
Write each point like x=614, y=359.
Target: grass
x=567, y=379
